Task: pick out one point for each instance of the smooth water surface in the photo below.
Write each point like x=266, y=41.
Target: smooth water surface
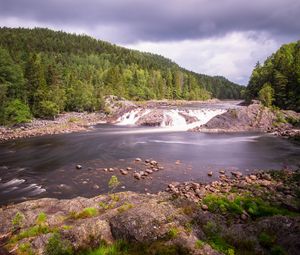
x=45, y=166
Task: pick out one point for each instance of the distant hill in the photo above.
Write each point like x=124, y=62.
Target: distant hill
x=50, y=71
x=281, y=73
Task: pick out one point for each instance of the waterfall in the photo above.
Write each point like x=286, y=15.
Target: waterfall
x=171, y=119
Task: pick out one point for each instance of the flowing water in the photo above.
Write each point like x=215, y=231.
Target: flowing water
x=46, y=166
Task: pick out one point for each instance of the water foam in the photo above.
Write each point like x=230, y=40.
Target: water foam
x=173, y=119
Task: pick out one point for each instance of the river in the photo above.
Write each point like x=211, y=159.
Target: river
x=46, y=166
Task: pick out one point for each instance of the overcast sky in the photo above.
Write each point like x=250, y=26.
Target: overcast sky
x=215, y=37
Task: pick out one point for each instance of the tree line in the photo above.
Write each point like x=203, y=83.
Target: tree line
x=277, y=81
x=45, y=72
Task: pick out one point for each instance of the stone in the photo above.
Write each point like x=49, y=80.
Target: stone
x=138, y=159
x=222, y=172
x=78, y=166
x=110, y=169
x=237, y=174
x=128, y=168
x=266, y=176
x=252, y=177
x=204, y=207
x=124, y=172
x=105, y=169
x=153, y=162
x=210, y=173
x=244, y=217
x=149, y=171
x=95, y=186
x=137, y=176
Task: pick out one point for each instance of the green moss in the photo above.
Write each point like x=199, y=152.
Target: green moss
x=188, y=227
x=173, y=232
x=125, y=207
x=58, y=246
x=85, y=213
x=255, y=207
x=33, y=231
x=278, y=250
x=66, y=227
x=266, y=240
x=215, y=240
x=199, y=244
x=124, y=248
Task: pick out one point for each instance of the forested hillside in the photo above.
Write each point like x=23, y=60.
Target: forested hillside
x=43, y=72
x=278, y=79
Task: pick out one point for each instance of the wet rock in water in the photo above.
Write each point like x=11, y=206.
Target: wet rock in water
x=161, y=168
x=149, y=171
x=137, y=176
x=222, y=172
x=237, y=174
x=124, y=172
x=138, y=159
x=110, y=169
x=95, y=186
x=78, y=166
x=153, y=163
x=147, y=161
x=105, y=169
x=210, y=173
x=128, y=168
x=177, y=162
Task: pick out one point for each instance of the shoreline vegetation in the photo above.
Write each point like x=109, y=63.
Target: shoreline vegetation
x=253, y=214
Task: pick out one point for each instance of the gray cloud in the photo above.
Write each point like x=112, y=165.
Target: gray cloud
x=165, y=20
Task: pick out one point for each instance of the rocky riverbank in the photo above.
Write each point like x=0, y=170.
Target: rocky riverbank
x=64, y=123
x=68, y=122
x=254, y=214
x=255, y=117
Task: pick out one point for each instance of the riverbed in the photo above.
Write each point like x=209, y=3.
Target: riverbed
x=46, y=166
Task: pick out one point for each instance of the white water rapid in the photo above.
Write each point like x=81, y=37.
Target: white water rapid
x=170, y=119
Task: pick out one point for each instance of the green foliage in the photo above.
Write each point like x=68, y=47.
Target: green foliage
x=215, y=240
x=266, y=240
x=16, y=112
x=18, y=220
x=255, y=207
x=55, y=71
x=124, y=248
x=118, y=248
x=199, y=244
x=269, y=242
x=25, y=248
x=113, y=183
x=173, y=232
x=58, y=246
x=85, y=213
x=266, y=95
x=47, y=109
x=41, y=218
x=281, y=71
x=32, y=231
x=125, y=207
